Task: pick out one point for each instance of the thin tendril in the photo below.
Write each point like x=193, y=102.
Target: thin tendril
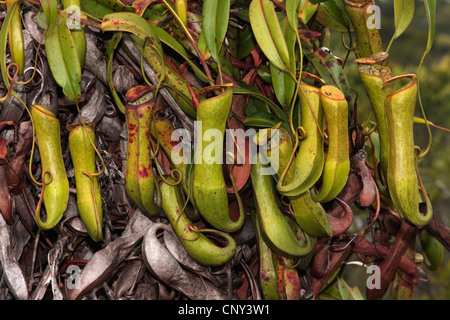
x=35, y=62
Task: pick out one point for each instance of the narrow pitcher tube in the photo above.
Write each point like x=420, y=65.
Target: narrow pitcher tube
x=308, y=163
x=372, y=77
x=140, y=182
x=402, y=178
x=267, y=274
x=368, y=40
x=277, y=232
x=55, y=185
x=210, y=192
x=89, y=200
x=337, y=162
x=309, y=214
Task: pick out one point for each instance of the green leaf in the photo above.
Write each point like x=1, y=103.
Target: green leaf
x=63, y=57
x=274, y=108
x=331, y=14
x=215, y=24
x=246, y=42
x=306, y=10
x=283, y=84
x=330, y=293
x=347, y=292
x=403, y=14
x=430, y=10
x=291, y=12
x=4, y=40
x=50, y=8
x=168, y=40
x=133, y=23
x=268, y=33
x=330, y=70
x=114, y=5
x=181, y=9
x=112, y=45
x=264, y=120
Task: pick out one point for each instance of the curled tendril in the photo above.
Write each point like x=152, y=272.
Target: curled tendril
x=91, y=177
x=291, y=158
x=284, y=202
x=172, y=175
x=153, y=157
x=13, y=79
x=35, y=62
x=193, y=228
x=41, y=197
x=301, y=132
x=353, y=43
x=294, y=266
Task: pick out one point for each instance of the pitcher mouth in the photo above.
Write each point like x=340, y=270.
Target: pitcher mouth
x=44, y=110
x=411, y=82
x=332, y=93
x=367, y=68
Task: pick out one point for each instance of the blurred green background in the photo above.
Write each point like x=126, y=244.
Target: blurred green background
x=404, y=57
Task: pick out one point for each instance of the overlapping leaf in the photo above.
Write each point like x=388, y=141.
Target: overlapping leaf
x=50, y=8
x=4, y=40
x=133, y=23
x=215, y=24
x=268, y=33
x=63, y=57
x=403, y=12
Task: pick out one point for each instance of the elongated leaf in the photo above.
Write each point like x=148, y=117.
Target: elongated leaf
x=94, y=9
x=114, y=5
x=63, y=57
x=263, y=119
x=276, y=110
x=403, y=13
x=268, y=33
x=141, y=5
x=133, y=23
x=291, y=12
x=283, y=84
x=4, y=40
x=50, y=8
x=347, y=292
x=430, y=9
x=306, y=10
x=246, y=42
x=332, y=15
x=181, y=9
x=168, y=40
x=215, y=24
x=109, y=76
x=330, y=70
